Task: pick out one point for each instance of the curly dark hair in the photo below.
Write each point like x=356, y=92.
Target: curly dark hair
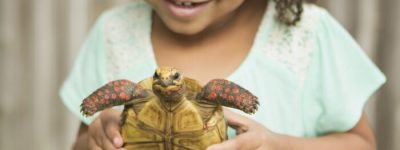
x=289, y=11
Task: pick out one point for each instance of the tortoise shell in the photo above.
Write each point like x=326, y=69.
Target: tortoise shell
x=169, y=111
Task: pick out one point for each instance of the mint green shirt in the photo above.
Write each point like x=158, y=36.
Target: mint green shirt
x=311, y=79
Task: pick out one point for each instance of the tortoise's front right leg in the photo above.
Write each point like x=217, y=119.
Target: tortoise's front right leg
x=114, y=93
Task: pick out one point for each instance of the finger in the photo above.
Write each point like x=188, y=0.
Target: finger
x=236, y=121
x=107, y=144
x=92, y=145
x=111, y=129
x=243, y=142
x=226, y=145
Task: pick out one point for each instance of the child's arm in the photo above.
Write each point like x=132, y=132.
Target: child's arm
x=255, y=136
x=102, y=133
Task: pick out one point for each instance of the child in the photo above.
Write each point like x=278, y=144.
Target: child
x=311, y=78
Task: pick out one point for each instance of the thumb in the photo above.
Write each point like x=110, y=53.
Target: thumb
x=111, y=127
x=112, y=132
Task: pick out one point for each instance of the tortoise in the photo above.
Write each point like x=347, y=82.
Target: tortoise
x=169, y=111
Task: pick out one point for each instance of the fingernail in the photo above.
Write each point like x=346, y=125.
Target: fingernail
x=117, y=141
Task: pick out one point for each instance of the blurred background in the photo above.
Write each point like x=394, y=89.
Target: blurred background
x=39, y=39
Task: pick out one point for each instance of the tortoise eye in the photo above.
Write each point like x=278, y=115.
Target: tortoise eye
x=176, y=76
x=156, y=76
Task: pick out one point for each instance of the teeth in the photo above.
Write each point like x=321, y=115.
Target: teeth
x=185, y=4
x=188, y=4
x=179, y=3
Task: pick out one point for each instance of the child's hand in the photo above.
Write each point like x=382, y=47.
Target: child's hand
x=104, y=131
x=251, y=135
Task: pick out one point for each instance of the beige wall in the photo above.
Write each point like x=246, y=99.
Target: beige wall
x=39, y=40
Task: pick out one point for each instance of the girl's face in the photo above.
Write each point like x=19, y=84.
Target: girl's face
x=190, y=17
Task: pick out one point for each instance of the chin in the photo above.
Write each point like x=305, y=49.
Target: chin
x=186, y=29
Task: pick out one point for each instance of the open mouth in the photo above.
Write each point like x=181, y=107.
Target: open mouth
x=187, y=4
x=187, y=9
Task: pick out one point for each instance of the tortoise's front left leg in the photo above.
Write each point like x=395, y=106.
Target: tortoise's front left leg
x=229, y=94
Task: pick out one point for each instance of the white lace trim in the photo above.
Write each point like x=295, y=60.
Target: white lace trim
x=294, y=46
x=127, y=38
x=127, y=32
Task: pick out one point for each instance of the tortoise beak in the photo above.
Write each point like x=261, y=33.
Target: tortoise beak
x=165, y=83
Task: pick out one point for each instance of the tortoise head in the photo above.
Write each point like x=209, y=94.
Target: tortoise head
x=168, y=84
